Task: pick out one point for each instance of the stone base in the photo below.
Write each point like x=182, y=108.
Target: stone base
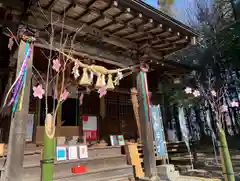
x=155, y=178
x=167, y=172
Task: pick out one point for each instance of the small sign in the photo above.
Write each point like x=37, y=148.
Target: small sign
x=90, y=127
x=114, y=140
x=30, y=121
x=61, y=153
x=83, y=151
x=117, y=140
x=72, y=153
x=121, y=140
x=90, y=135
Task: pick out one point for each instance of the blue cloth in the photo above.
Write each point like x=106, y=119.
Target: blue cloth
x=161, y=150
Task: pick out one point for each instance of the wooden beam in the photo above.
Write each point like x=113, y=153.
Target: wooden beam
x=129, y=24
x=101, y=13
x=95, y=53
x=51, y=4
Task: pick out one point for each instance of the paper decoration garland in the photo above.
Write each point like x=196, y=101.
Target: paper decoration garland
x=99, y=81
x=75, y=70
x=110, y=85
x=100, y=71
x=84, y=80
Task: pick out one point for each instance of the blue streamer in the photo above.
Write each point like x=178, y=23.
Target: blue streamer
x=18, y=97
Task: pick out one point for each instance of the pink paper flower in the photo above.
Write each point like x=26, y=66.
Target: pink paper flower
x=234, y=104
x=223, y=108
x=102, y=91
x=38, y=91
x=10, y=43
x=81, y=99
x=56, y=65
x=188, y=90
x=196, y=93
x=64, y=95
x=75, y=70
x=213, y=92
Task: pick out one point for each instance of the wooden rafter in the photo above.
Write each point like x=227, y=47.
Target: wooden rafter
x=71, y=25
x=115, y=24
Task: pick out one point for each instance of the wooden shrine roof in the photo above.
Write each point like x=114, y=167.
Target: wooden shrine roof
x=131, y=29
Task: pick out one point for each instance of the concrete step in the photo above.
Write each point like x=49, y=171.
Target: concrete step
x=34, y=170
x=34, y=158
x=119, y=173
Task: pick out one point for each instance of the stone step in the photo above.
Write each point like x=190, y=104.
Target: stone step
x=34, y=170
x=117, y=173
x=31, y=159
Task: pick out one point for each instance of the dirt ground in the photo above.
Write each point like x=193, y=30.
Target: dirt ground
x=207, y=164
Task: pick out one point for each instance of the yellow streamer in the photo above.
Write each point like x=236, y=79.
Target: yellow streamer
x=21, y=98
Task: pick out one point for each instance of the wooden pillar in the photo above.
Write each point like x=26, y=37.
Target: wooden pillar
x=18, y=128
x=101, y=126
x=146, y=129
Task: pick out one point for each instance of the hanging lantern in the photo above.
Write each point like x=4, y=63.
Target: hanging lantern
x=103, y=80
x=110, y=85
x=84, y=80
x=99, y=81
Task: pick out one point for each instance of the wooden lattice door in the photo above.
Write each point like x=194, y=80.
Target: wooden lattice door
x=119, y=117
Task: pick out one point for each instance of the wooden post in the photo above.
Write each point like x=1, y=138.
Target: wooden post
x=149, y=159
x=18, y=128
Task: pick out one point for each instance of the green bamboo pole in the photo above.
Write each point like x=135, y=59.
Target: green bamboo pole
x=48, y=150
x=226, y=159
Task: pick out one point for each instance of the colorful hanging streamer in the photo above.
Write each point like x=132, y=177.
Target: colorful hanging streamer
x=22, y=73
x=145, y=86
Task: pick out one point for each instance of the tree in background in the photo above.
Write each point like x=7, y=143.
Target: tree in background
x=165, y=6
x=216, y=55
